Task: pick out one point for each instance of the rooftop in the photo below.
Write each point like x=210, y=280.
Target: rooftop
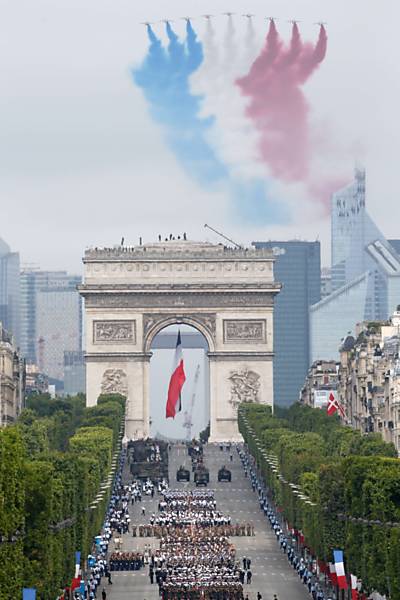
x=174, y=249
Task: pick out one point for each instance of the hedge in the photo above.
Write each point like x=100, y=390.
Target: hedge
x=52, y=462
x=351, y=481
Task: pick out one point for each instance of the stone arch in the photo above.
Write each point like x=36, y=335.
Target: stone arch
x=227, y=295
x=203, y=324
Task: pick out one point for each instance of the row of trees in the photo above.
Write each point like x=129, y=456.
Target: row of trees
x=52, y=462
x=340, y=488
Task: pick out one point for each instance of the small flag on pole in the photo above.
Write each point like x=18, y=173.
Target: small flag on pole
x=77, y=563
x=339, y=568
x=354, y=591
x=176, y=382
x=332, y=573
x=334, y=406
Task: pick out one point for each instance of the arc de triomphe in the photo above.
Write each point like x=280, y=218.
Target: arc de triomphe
x=132, y=293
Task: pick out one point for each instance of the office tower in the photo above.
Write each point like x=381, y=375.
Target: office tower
x=326, y=282
x=365, y=273
x=58, y=325
x=298, y=268
x=10, y=291
x=395, y=245
x=32, y=281
x=74, y=373
x=51, y=318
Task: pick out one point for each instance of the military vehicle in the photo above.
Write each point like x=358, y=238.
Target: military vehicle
x=224, y=474
x=201, y=478
x=183, y=474
x=148, y=459
x=201, y=473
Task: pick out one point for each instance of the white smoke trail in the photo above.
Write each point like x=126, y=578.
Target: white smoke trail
x=233, y=135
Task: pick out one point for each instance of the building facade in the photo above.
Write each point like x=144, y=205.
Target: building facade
x=51, y=319
x=12, y=379
x=10, y=290
x=365, y=273
x=369, y=378
x=320, y=383
x=74, y=373
x=326, y=282
x=58, y=326
x=298, y=268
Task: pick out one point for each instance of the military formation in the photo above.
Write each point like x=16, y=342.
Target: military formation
x=126, y=561
x=196, y=558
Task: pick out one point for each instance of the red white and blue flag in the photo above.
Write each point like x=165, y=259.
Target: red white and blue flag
x=339, y=568
x=332, y=573
x=334, y=406
x=176, y=382
x=354, y=587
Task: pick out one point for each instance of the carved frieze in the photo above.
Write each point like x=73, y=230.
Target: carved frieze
x=184, y=300
x=180, y=268
x=245, y=387
x=114, y=381
x=114, y=332
x=245, y=330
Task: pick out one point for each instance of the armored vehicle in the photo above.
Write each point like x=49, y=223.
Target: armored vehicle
x=201, y=473
x=201, y=478
x=224, y=474
x=183, y=474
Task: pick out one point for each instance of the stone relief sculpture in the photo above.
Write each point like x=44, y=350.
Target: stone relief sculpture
x=114, y=382
x=245, y=387
x=244, y=330
x=114, y=331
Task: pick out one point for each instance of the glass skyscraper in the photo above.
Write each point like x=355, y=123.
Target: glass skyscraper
x=10, y=291
x=365, y=273
x=298, y=268
x=51, y=318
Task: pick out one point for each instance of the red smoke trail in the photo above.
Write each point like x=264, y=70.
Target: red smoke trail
x=278, y=106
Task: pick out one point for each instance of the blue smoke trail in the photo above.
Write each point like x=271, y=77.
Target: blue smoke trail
x=164, y=77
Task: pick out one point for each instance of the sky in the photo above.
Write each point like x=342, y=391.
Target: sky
x=84, y=162
x=195, y=396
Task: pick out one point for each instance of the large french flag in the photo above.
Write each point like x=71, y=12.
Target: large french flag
x=176, y=382
x=339, y=568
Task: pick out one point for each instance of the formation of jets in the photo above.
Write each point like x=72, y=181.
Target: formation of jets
x=229, y=14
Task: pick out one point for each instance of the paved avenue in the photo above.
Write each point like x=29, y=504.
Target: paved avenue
x=272, y=573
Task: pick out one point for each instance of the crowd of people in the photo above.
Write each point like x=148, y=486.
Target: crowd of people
x=177, y=510
x=195, y=559
x=306, y=575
